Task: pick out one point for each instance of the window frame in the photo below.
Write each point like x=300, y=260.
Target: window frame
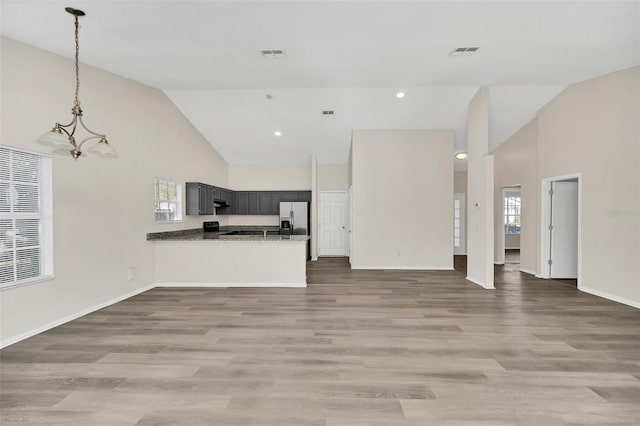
x=178, y=202
x=512, y=214
x=43, y=216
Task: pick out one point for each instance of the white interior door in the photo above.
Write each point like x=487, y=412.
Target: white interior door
x=458, y=224
x=564, y=230
x=332, y=221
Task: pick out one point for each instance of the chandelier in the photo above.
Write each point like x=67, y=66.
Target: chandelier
x=62, y=138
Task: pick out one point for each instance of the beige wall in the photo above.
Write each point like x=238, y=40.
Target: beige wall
x=591, y=128
x=479, y=193
x=333, y=177
x=402, y=199
x=102, y=208
x=516, y=165
x=264, y=177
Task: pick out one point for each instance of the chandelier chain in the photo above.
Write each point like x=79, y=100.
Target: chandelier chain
x=77, y=101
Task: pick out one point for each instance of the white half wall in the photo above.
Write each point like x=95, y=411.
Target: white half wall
x=402, y=199
x=479, y=193
x=102, y=209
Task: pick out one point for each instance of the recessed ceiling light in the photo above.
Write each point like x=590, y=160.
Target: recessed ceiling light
x=461, y=155
x=400, y=95
x=277, y=133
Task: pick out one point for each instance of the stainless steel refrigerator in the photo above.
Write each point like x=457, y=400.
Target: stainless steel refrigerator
x=295, y=220
x=297, y=216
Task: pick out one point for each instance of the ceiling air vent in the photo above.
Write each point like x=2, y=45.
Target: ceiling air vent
x=327, y=114
x=464, y=51
x=273, y=53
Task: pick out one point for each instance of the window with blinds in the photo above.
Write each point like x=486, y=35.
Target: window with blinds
x=168, y=201
x=26, y=222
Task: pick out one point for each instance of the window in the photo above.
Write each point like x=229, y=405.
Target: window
x=168, y=201
x=26, y=222
x=512, y=213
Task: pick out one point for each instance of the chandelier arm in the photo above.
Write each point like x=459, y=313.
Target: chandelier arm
x=90, y=131
x=87, y=139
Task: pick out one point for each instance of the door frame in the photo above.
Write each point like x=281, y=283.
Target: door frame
x=545, y=221
x=505, y=189
x=346, y=205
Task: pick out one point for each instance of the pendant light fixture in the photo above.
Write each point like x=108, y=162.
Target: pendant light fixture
x=62, y=138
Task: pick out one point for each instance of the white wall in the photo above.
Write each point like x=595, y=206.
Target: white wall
x=516, y=165
x=402, y=199
x=591, y=128
x=479, y=193
x=102, y=208
x=333, y=177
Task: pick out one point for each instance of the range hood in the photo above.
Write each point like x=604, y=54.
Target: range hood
x=220, y=203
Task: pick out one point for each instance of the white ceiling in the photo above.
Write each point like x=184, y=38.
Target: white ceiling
x=348, y=56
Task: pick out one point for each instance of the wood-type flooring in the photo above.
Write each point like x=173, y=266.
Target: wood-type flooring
x=355, y=348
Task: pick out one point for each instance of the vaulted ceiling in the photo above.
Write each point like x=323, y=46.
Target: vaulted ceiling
x=349, y=57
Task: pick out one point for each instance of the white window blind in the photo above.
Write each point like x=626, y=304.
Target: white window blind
x=168, y=201
x=26, y=222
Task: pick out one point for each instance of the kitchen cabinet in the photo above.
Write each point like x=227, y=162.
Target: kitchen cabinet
x=253, y=202
x=274, y=201
x=304, y=196
x=241, y=202
x=264, y=203
x=288, y=196
x=199, y=198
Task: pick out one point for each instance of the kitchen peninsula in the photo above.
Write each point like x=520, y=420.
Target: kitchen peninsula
x=239, y=257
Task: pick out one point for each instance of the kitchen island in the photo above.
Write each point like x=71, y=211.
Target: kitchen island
x=193, y=258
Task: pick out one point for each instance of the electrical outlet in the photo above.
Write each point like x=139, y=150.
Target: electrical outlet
x=132, y=272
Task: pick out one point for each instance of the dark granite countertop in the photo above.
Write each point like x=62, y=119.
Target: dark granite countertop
x=224, y=234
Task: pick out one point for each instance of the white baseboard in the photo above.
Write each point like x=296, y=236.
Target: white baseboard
x=480, y=283
x=512, y=248
x=230, y=285
x=528, y=271
x=498, y=263
x=41, y=329
x=404, y=268
x=314, y=259
x=606, y=295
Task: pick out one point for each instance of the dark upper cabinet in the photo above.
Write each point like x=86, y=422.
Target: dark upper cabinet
x=264, y=203
x=288, y=196
x=253, y=202
x=199, y=199
x=242, y=202
x=274, y=201
x=304, y=196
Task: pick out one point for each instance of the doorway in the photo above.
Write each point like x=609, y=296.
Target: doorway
x=512, y=209
x=332, y=223
x=560, y=233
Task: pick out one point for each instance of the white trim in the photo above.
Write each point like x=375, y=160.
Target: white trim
x=545, y=217
x=410, y=268
x=528, y=271
x=498, y=263
x=314, y=259
x=63, y=320
x=478, y=282
x=608, y=296
x=230, y=285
